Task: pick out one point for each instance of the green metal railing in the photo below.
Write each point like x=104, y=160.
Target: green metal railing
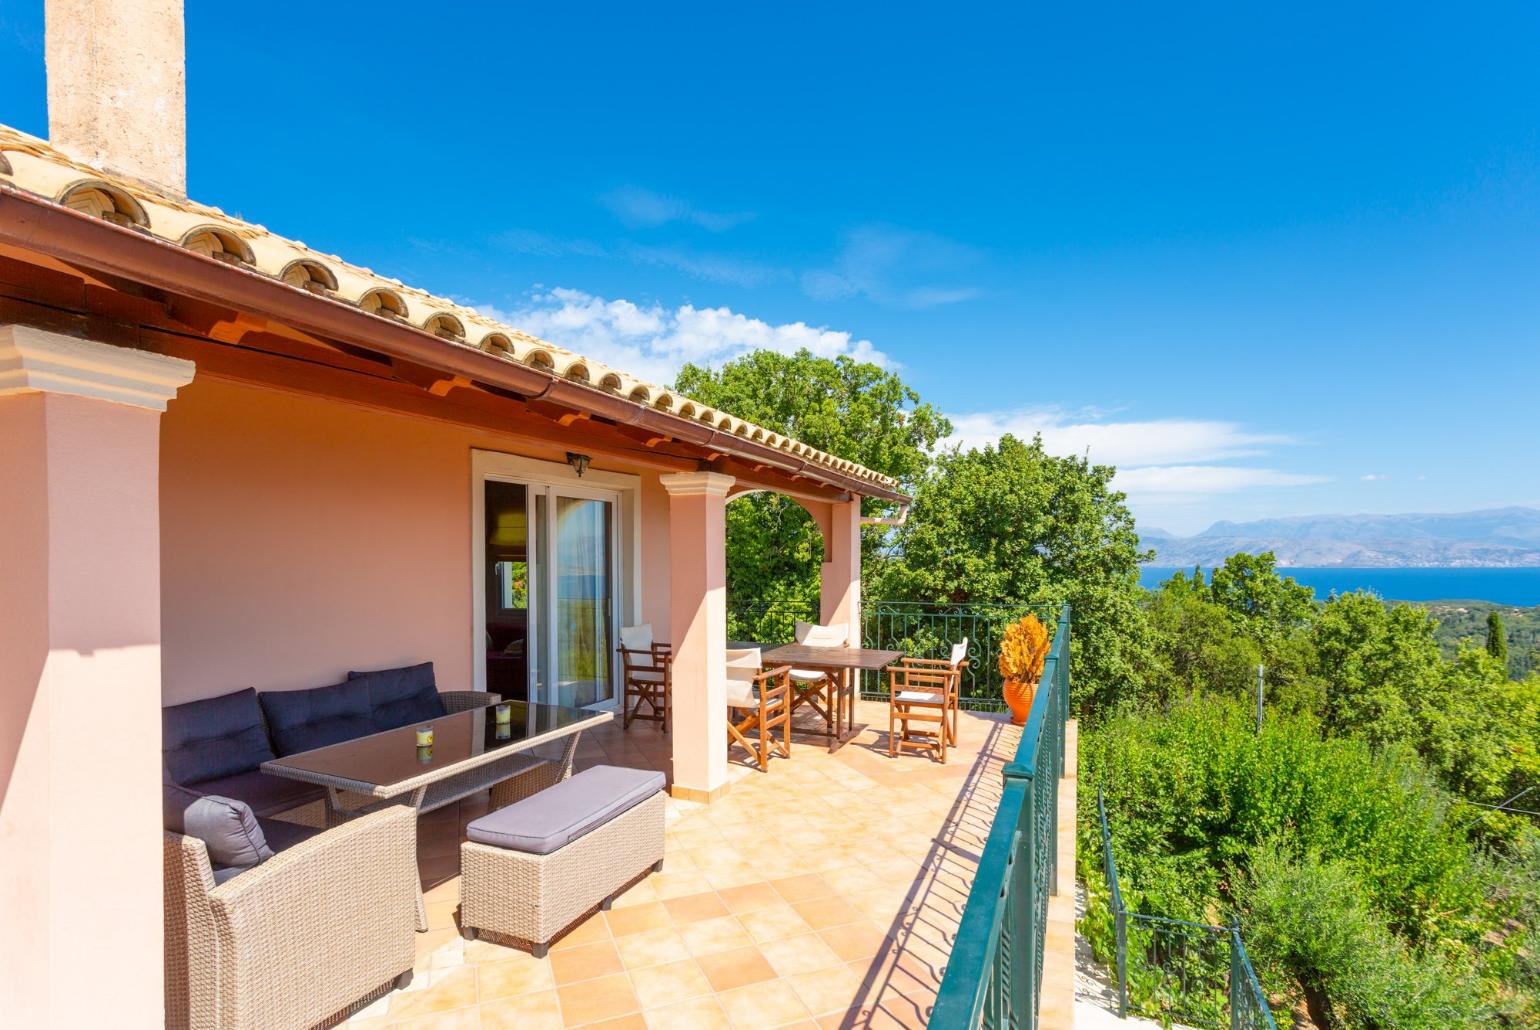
x=920, y=629
x=994, y=976
x=1178, y=971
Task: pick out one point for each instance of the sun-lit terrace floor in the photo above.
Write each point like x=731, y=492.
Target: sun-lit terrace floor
x=824, y=892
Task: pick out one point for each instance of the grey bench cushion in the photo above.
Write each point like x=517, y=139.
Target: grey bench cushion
x=214, y=737
x=558, y=815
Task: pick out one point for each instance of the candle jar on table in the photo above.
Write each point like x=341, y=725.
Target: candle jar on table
x=504, y=714
x=425, y=736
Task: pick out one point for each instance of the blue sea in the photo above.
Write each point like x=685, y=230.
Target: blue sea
x=1517, y=587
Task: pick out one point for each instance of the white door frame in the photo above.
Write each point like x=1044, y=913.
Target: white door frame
x=622, y=489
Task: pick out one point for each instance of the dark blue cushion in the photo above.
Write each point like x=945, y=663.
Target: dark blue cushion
x=218, y=736
x=401, y=697
x=267, y=795
x=302, y=720
x=227, y=827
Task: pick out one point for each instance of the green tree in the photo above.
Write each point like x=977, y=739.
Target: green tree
x=1264, y=605
x=1012, y=521
x=1195, y=649
x=854, y=409
x=1381, y=667
x=1497, y=640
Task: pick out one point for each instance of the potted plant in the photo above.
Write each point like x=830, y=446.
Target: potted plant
x=1023, y=648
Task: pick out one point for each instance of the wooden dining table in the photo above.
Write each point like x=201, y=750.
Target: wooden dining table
x=844, y=664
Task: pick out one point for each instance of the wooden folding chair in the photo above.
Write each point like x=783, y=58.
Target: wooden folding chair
x=758, y=703
x=647, y=676
x=925, y=691
x=808, y=686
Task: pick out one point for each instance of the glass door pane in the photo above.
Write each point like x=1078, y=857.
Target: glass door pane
x=583, y=600
x=507, y=589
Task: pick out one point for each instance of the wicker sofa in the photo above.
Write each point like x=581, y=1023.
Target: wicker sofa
x=216, y=745
x=310, y=934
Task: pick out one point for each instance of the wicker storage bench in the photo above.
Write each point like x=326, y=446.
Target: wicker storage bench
x=529, y=870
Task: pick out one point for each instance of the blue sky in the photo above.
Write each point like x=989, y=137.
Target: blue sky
x=1272, y=261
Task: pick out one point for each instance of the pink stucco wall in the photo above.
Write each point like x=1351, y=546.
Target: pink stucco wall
x=303, y=538
x=79, y=712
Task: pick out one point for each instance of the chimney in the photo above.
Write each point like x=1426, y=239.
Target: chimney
x=117, y=88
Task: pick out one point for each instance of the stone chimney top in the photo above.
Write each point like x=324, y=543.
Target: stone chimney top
x=117, y=87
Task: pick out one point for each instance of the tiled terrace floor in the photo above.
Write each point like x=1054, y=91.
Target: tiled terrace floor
x=823, y=892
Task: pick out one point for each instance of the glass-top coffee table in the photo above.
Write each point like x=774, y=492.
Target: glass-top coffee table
x=471, y=752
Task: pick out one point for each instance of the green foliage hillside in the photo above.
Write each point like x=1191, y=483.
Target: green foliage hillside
x=1352, y=835
x=1466, y=622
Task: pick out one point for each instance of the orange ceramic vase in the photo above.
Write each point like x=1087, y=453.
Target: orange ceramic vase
x=1019, y=695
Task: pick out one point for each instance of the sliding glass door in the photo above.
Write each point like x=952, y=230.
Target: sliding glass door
x=582, y=600
x=550, y=592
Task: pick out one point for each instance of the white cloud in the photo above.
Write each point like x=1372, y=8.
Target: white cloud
x=716, y=268
x=897, y=267
x=1205, y=479
x=640, y=208
x=1151, y=442
x=652, y=342
x=1159, y=461
x=1374, y=477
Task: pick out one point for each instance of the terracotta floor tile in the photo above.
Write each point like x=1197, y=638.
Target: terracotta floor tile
x=539, y=1011
x=763, y=1005
x=651, y=915
x=657, y=986
x=729, y=970
x=585, y=962
x=852, y=941
x=456, y=989
x=695, y=907
x=632, y=1022
x=593, y=1000
x=459, y=1019
x=650, y=948
x=749, y=898
x=713, y=935
x=773, y=923
x=805, y=954
x=802, y=887
x=826, y=912
x=515, y=976
x=590, y=931
x=826, y=990
x=697, y=1014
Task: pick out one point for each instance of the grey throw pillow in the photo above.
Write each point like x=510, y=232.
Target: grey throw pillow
x=228, y=828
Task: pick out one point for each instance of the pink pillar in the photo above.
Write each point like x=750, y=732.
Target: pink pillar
x=840, y=585
x=80, y=808
x=698, y=583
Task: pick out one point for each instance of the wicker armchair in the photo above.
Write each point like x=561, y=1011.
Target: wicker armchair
x=465, y=700
x=318, y=930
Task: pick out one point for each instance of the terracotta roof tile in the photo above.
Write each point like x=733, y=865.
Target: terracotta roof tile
x=31, y=164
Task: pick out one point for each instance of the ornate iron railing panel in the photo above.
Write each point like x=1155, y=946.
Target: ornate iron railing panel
x=920, y=629
x=1175, y=971
x=994, y=975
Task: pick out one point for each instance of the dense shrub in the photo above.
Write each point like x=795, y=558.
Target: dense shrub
x=1321, y=845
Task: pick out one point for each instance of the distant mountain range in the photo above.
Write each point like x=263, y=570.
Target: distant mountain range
x=1501, y=537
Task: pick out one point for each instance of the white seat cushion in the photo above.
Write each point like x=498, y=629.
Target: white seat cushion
x=814, y=635
x=807, y=675
x=920, y=696
x=959, y=651
x=636, y=638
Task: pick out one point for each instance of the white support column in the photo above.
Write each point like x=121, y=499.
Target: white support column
x=840, y=583
x=80, y=798
x=698, y=581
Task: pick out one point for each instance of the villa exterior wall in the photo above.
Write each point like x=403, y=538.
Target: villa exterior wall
x=302, y=538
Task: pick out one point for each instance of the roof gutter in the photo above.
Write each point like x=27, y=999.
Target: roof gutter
x=35, y=223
